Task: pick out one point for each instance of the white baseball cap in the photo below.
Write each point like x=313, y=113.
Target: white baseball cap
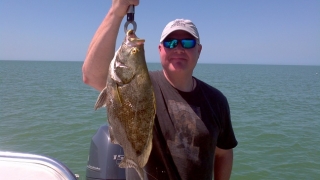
x=180, y=24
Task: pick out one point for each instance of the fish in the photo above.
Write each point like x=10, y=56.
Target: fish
x=130, y=102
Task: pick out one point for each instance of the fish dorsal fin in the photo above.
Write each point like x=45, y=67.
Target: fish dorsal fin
x=102, y=99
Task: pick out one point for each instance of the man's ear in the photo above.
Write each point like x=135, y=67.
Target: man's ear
x=159, y=48
x=199, y=49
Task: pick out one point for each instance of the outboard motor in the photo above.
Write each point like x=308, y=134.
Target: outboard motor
x=104, y=157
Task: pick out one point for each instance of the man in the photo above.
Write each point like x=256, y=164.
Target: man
x=193, y=136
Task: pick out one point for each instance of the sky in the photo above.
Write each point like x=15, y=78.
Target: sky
x=285, y=32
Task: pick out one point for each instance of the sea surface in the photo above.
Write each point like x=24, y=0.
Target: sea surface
x=46, y=109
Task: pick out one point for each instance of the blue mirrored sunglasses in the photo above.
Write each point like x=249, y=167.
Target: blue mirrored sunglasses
x=185, y=43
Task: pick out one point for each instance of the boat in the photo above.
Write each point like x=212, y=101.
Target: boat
x=14, y=165
x=103, y=160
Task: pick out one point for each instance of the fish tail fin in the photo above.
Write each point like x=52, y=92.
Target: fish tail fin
x=128, y=163
x=101, y=101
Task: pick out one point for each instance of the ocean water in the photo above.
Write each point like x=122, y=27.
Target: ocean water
x=46, y=109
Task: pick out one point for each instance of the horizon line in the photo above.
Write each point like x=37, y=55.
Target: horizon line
x=160, y=63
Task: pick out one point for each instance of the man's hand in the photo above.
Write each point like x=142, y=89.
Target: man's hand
x=102, y=47
x=120, y=7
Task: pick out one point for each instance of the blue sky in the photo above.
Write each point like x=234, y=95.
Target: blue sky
x=231, y=32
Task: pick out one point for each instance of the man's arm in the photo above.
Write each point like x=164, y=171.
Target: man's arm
x=223, y=164
x=102, y=47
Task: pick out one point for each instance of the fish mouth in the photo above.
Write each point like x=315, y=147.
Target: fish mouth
x=132, y=39
x=131, y=33
x=136, y=41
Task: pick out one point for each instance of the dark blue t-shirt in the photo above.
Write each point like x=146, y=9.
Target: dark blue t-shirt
x=188, y=127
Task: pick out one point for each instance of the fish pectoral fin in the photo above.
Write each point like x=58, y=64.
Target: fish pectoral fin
x=118, y=94
x=101, y=101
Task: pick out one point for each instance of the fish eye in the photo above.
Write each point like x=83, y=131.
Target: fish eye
x=134, y=50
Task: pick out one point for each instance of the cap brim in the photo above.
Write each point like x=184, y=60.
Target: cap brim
x=176, y=29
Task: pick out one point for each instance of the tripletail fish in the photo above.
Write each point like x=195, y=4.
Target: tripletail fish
x=130, y=102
